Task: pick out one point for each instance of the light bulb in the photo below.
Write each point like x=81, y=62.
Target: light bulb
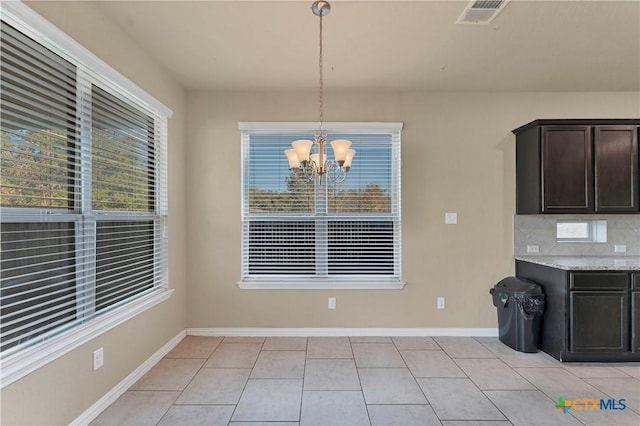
x=340, y=150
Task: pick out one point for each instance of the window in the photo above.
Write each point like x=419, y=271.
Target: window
x=83, y=193
x=313, y=233
x=581, y=231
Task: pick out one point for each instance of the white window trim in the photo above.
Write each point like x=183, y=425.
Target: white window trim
x=351, y=126
x=19, y=364
x=321, y=284
x=317, y=283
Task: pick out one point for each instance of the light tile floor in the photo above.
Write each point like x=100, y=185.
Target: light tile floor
x=342, y=381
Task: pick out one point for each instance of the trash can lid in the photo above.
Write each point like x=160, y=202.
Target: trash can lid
x=515, y=285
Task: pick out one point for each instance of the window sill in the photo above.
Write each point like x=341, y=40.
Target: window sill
x=21, y=363
x=321, y=284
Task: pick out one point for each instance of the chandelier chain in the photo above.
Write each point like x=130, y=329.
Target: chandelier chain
x=321, y=100
x=315, y=166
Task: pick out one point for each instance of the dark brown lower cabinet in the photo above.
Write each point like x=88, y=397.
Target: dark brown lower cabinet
x=599, y=321
x=635, y=312
x=635, y=321
x=589, y=315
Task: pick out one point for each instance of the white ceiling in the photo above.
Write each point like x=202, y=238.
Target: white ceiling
x=389, y=45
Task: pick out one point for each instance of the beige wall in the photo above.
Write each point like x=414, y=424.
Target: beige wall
x=63, y=389
x=457, y=155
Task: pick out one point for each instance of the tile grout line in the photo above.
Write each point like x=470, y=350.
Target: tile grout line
x=246, y=382
x=471, y=380
x=366, y=406
x=415, y=380
x=606, y=393
x=476, y=385
x=549, y=397
x=506, y=365
x=304, y=373
x=173, y=404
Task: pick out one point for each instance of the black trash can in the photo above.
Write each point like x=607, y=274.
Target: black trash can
x=520, y=306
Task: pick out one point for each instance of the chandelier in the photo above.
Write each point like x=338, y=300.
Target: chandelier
x=308, y=157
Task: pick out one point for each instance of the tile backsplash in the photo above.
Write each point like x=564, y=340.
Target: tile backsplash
x=540, y=230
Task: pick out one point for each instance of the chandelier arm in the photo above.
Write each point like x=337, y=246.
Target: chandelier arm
x=309, y=171
x=334, y=172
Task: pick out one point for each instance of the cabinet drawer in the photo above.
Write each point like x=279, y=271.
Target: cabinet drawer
x=599, y=281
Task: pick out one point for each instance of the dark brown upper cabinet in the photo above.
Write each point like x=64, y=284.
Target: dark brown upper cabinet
x=577, y=166
x=567, y=171
x=615, y=150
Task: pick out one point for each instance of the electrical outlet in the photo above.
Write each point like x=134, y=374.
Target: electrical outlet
x=620, y=248
x=98, y=358
x=331, y=303
x=533, y=249
x=440, y=302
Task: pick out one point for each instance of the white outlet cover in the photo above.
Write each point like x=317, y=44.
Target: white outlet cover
x=440, y=303
x=533, y=249
x=331, y=303
x=620, y=248
x=451, y=218
x=98, y=358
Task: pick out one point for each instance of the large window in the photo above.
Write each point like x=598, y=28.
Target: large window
x=83, y=199
x=315, y=233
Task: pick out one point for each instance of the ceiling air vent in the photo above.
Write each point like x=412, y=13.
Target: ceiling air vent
x=481, y=11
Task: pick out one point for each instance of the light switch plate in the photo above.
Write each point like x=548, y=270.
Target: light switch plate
x=451, y=218
x=620, y=248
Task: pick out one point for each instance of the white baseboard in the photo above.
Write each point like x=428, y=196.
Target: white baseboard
x=110, y=397
x=267, y=331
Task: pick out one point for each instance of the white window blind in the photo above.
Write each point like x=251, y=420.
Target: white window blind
x=316, y=233
x=83, y=194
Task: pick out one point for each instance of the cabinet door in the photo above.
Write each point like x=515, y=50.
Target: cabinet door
x=567, y=178
x=635, y=321
x=599, y=321
x=616, y=169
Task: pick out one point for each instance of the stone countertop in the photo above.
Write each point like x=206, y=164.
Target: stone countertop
x=586, y=263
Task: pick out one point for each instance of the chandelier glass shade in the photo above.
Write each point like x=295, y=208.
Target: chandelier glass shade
x=316, y=164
